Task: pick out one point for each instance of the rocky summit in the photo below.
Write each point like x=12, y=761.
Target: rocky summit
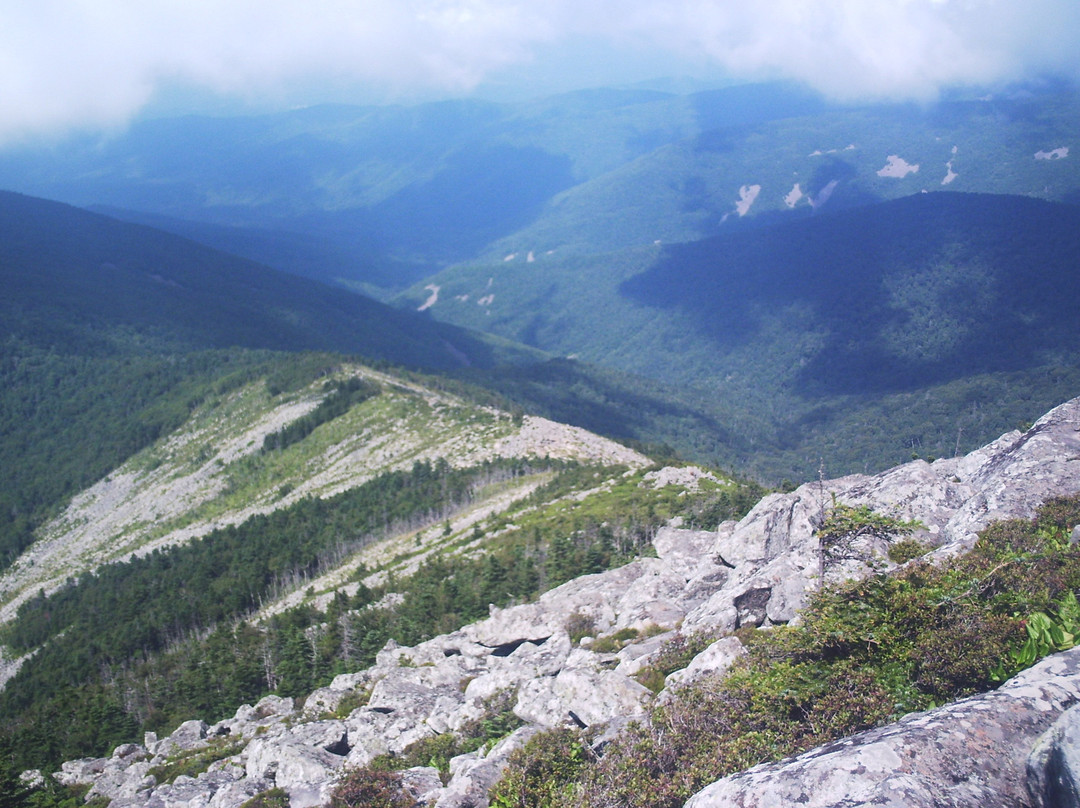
x=1015, y=746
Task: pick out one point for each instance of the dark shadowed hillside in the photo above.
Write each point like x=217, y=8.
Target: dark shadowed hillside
x=921, y=291
x=83, y=281
x=923, y=325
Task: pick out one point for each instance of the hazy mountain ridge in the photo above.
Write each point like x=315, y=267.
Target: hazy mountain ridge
x=75, y=276
x=837, y=158
x=391, y=194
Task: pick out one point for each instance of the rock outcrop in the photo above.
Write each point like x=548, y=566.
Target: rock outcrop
x=753, y=573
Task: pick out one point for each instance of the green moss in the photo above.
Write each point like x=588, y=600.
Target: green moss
x=353, y=700
x=271, y=798
x=673, y=655
x=194, y=762
x=612, y=643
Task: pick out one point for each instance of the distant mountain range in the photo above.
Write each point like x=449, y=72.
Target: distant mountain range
x=764, y=263
x=380, y=197
x=79, y=281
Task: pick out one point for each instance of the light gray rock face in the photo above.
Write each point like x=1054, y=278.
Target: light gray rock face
x=306, y=772
x=268, y=713
x=713, y=661
x=1014, y=474
x=772, y=557
x=422, y=784
x=970, y=754
x=1053, y=767
x=587, y=687
x=328, y=699
x=473, y=775
x=188, y=735
x=645, y=591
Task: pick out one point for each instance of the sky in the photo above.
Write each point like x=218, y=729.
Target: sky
x=90, y=64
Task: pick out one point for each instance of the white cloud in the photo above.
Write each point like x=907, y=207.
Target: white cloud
x=96, y=62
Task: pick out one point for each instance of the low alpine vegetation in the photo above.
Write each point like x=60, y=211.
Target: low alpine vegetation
x=865, y=653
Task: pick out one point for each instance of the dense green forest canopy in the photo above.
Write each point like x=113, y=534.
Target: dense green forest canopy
x=851, y=338
x=911, y=293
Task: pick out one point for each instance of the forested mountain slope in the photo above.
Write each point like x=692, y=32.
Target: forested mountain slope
x=112, y=334
x=638, y=686
x=925, y=324
x=83, y=282
x=197, y=571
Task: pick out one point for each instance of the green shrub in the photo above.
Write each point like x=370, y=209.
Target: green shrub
x=544, y=773
x=353, y=700
x=844, y=525
x=369, y=788
x=435, y=751
x=611, y=643
x=904, y=550
x=674, y=655
x=864, y=653
x=580, y=625
x=271, y=798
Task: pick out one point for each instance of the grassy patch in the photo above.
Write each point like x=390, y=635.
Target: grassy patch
x=193, y=762
x=271, y=798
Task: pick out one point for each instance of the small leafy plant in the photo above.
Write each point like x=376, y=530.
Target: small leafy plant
x=193, y=762
x=1046, y=634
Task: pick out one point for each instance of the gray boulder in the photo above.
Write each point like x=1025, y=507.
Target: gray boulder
x=587, y=687
x=422, y=784
x=189, y=735
x=306, y=772
x=1053, y=767
x=714, y=660
x=473, y=775
x=186, y=792
x=1013, y=475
